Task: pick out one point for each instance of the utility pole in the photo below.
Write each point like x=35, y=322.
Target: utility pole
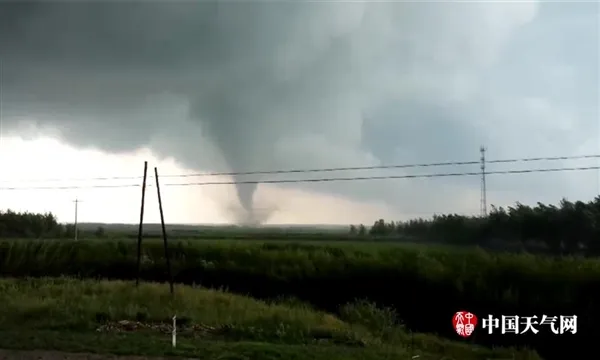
x=139, y=242
x=76, y=201
x=483, y=204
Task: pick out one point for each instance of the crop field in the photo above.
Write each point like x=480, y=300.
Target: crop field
x=423, y=286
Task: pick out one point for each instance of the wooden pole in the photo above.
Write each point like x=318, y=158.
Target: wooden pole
x=139, y=242
x=164, y=231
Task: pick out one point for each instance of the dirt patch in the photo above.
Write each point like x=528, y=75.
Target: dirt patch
x=58, y=355
x=129, y=326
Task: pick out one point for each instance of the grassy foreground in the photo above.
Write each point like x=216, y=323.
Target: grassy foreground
x=116, y=317
x=327, y=276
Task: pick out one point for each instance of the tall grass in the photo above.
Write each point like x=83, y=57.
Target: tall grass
x=115, y=307
x=423, y=286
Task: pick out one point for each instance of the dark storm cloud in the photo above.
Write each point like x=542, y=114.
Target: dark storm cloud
x=283, y=85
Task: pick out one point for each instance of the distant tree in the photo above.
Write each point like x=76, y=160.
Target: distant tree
x=99, y=232
x=389, y=228
x=69, y=231
x=378, y=228
x=27, y=225
x=353, y=230
x=362, y=230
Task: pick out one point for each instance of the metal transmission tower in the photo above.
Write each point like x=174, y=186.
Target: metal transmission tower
x=483, y=186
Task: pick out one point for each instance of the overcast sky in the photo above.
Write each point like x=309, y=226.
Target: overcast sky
x=93, y=89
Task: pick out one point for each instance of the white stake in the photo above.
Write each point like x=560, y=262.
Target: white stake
x=174, y=330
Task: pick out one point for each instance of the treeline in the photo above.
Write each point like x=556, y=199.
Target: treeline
x=25, y=225
x=569, y=228
x=15, y=225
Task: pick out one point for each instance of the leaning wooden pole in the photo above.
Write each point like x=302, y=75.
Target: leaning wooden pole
x=140, y=228
x=164, y=231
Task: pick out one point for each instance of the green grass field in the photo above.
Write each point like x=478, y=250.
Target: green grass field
x=425, y=285
x=116, y=317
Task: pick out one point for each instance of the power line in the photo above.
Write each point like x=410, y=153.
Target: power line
x=576, y=157
x=320, y=170
x=388, y=177
x=283, y=181
x=72, y=187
